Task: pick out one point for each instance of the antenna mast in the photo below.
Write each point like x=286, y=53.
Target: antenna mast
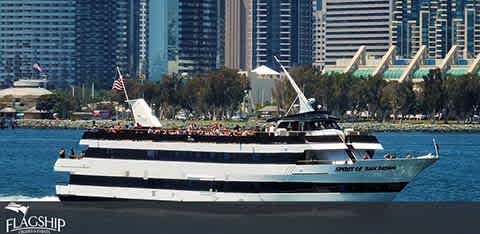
x=304, y=105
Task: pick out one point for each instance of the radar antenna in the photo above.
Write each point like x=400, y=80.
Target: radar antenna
x=304, y=104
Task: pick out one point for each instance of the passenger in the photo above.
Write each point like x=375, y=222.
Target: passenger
x=409, y=156
x=237, y=127
x=271, y=129
x=389, y=156
x=72, y=153
x=118, y=127
x=150, y=131
x=366, y=156
x=2, y=123
x=82, y=155
x=61, y=154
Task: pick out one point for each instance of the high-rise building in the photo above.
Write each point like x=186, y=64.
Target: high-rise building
x=162, y=26
x=185, y=36
x=436, y=24
x=282, y=28
x=36, y=31
x=318, y=35
x=238, y=34
x=107, y=35
x=350, y=24
x=138, y=37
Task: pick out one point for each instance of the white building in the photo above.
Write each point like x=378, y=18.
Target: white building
x=350, y=24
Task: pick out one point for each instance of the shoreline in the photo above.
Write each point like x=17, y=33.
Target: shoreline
x=358, y=126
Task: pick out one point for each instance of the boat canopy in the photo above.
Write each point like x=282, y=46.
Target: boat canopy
x=143, y=114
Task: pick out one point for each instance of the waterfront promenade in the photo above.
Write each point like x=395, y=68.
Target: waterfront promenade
x=359, y=126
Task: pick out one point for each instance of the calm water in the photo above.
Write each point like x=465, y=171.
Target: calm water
x=28, y=156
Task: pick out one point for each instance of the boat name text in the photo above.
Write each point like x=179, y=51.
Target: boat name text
x=358, y=169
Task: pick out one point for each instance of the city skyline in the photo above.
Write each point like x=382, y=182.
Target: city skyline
x=83, y=41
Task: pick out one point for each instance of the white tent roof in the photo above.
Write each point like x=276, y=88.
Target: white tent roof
x=264, y=70
x=21, y=92
x=8, y=110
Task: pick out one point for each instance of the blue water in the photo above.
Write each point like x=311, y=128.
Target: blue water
x=28, y=156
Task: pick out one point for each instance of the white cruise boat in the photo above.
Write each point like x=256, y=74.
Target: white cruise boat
x=304, y=157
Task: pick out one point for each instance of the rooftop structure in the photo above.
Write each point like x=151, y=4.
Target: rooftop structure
x=23, y=92
x=361, y=65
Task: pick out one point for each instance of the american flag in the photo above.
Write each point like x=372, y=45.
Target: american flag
x=118, y=83
x=37, y=67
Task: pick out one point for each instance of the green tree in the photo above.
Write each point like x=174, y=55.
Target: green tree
x=397, y=98
x=433, y=96
x=59, y=102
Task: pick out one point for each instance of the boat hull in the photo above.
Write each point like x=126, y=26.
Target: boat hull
x=365, y=180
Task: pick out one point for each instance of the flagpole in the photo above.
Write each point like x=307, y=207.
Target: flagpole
x=123, y=84
x=93, y=90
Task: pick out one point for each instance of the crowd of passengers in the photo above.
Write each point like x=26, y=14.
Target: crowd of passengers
x=190, y=130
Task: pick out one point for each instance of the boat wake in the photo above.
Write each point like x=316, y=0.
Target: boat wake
x=20, y=198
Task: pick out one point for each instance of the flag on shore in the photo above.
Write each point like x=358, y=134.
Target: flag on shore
x=118, y=83
x=37, y=67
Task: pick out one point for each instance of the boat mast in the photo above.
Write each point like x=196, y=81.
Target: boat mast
x=304, y=105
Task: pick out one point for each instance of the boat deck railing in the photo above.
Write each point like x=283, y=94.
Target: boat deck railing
x=224, y=136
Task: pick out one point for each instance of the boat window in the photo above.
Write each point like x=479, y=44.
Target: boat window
x=302, y=126
x=326, y=155
x=294, y=126
x=330, y=125
x=151, y=154
x=284, y=125
x=311, y=126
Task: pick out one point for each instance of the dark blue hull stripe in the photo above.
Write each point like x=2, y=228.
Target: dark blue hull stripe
x=236, y=186
x=190, y=156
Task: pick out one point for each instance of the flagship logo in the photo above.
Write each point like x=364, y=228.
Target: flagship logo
x=32, y=224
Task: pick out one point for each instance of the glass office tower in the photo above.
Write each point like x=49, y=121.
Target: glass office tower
x=436, y=24
x=186, y=37
x=283, y=28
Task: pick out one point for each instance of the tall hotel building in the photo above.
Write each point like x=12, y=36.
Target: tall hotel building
x=185, y=37
x=35, y=31
x=350, y=24
x=282, y=28
x=238, y=34
x=436, y=24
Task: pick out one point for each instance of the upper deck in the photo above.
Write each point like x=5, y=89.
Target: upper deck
x=253, y=137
